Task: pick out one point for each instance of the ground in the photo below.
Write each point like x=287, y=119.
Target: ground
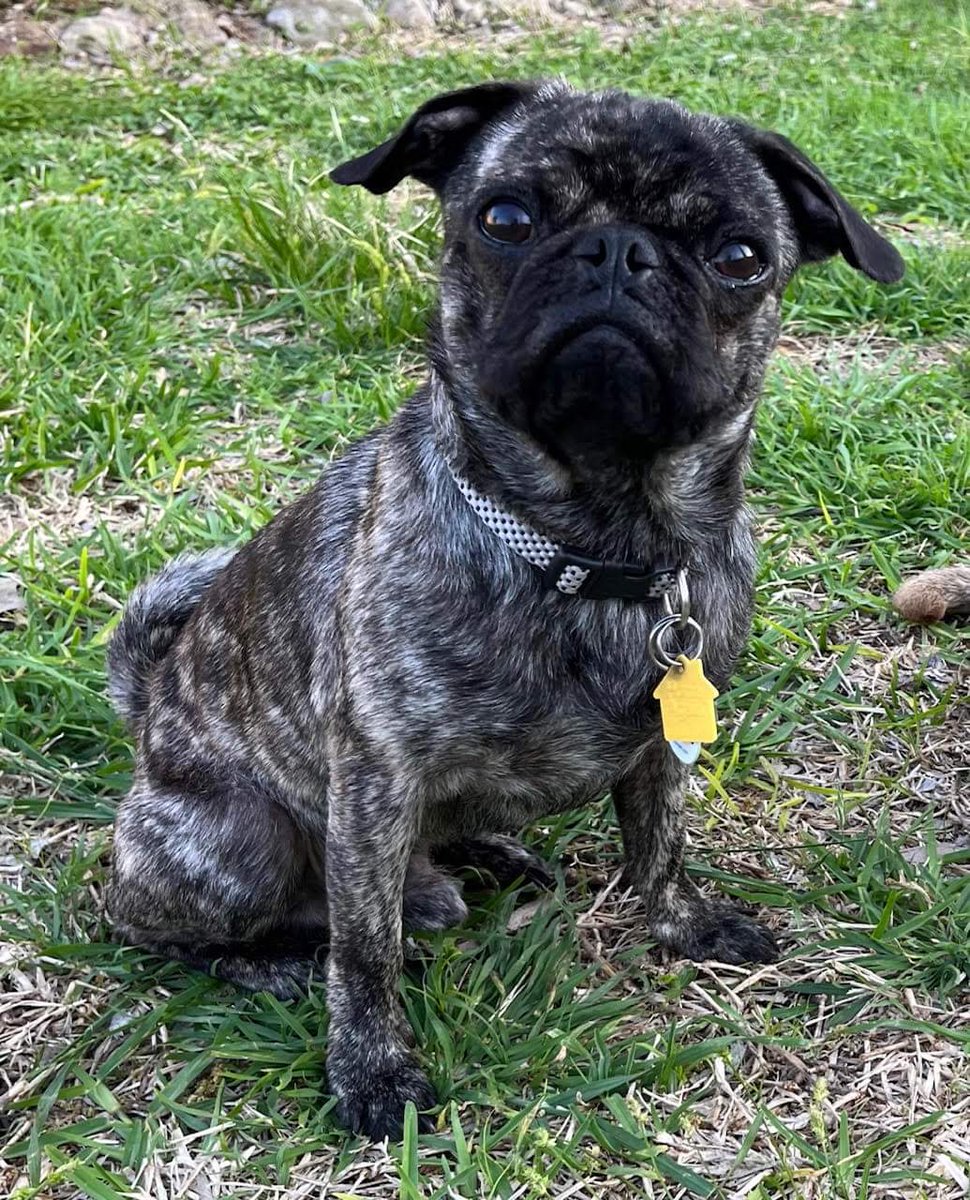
x=192, y=323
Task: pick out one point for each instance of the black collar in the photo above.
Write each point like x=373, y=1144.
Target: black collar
x=566, y=570
x=609, y=580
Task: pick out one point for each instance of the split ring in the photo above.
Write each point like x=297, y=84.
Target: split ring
x=655, y=641
x=682, y=608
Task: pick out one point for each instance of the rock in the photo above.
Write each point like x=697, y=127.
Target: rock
x=114, y=31
x=188, y=22
x=306, y=24
x=409, y=14
x=242, y=27
x=480, y=12
x=468, y=12
x=25, y=38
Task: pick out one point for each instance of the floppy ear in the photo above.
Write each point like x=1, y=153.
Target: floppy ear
x=431, y=144
x=827, y=223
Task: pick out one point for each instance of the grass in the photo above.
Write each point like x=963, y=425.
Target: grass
x=192, y=323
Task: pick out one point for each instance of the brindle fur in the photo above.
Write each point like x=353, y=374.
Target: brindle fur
x=374, y=687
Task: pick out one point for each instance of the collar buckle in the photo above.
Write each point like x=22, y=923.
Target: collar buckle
x=577, y=574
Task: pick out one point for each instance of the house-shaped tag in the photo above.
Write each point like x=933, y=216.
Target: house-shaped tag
x=686, y=698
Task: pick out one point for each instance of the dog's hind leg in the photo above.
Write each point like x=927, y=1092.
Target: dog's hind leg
x=224, y=881
x=504, y=858
x=432, y=899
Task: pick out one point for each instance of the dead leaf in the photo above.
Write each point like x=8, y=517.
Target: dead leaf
x=10, y=597
x=525, y=915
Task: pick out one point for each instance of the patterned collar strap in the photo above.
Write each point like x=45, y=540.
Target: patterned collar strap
x=566, y=570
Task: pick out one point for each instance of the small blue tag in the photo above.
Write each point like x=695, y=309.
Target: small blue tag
x=687, y=752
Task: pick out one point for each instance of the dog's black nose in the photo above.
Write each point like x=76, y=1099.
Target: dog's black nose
x=617, y=250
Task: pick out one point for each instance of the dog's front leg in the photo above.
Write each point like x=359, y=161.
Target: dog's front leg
x=650, y=805
x=372, y=827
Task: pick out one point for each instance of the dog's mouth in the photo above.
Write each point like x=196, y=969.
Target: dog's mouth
x=596, y=350
x=602, y=362
x=595, y=343
x=596, y=381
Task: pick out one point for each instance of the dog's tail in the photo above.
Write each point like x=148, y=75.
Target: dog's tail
x=155, y=612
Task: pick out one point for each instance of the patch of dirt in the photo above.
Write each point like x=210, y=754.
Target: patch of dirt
x=48, y=509
x=865, y=350
x=923, y=233
x=32, y=28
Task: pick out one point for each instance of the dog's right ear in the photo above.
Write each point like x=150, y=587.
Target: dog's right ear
x=433, y=141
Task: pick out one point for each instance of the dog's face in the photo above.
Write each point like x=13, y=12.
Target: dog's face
x=613, y=266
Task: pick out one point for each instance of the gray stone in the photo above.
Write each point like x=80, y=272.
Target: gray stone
x=480, y=12
x=189, y=22
x=114, y=31
x=306, y=24
x=409, y=14
x=23, y=38
x=469, y=12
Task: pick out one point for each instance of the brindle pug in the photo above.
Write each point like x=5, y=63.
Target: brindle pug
x=446, y=638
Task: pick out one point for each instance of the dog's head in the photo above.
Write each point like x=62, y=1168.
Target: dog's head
x=613, y=266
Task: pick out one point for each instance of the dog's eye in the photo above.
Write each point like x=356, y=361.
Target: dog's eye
x=736, y=260
x=506, y=221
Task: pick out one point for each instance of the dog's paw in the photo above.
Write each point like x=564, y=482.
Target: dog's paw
x=289, y=977
x=373, y=1105
x=516, y=862
x=286, y=976
x=504, y=858
x=722, y=934
x=434, y=906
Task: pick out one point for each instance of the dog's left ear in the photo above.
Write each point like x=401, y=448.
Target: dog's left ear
x=433, y=141
x=826, y=222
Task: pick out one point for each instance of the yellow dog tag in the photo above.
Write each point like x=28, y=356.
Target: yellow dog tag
x=686, y=698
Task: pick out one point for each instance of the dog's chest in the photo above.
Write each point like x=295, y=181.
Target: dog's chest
x=511, y=777
x=539, y=718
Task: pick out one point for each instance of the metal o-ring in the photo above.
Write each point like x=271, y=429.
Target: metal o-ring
x=682, y=608
x=654, y=646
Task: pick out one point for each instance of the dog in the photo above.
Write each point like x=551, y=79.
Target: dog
x=450, y=635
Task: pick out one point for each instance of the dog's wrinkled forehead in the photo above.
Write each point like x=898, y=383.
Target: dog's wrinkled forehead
x=609, y=156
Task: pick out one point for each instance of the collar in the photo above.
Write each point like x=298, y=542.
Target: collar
x=568, y=570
